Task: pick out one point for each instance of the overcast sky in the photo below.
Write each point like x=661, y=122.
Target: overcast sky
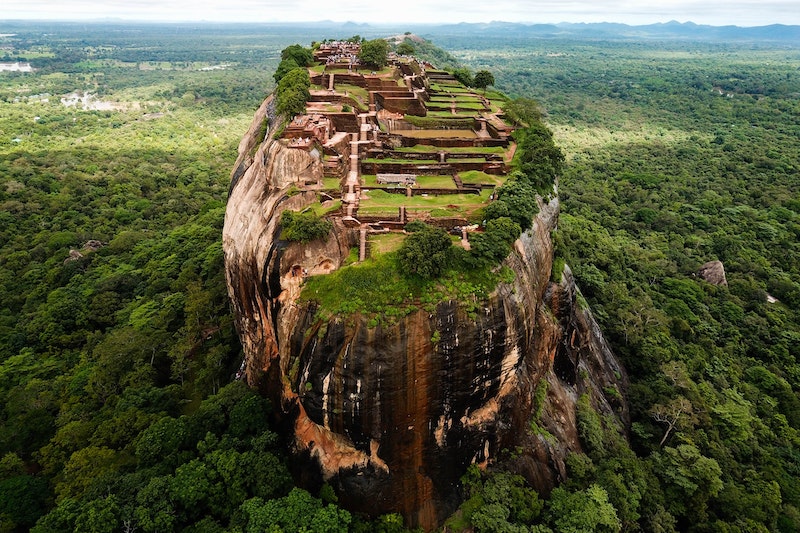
x=714, y=12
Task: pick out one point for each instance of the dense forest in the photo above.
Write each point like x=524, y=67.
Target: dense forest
x=118, y=359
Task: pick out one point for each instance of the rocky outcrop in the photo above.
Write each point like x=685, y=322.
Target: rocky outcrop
x=713, y=272
x=392, y=415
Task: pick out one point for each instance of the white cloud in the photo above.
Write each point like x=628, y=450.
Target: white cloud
x=716, y=12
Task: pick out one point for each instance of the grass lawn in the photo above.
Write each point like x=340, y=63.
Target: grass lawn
x=426, y=148
x=460, y=106
x=371, y=180
x=354, y=91
x=440, y=88
x=381, y=243
x=382, y=202
x=379, y=289
x=402, y=161
x=331, y=183
x=458, y=98
x=436, y=182
x=477, y=177
x=322, y=210
x=432, y=182
x=450, y=114
x=438, y=134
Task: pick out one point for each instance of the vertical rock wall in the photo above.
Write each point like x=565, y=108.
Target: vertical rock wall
x=391, y=416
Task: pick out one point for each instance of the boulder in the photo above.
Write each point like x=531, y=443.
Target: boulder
x=713, y=272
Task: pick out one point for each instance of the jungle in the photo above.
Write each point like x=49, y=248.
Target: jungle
x=121, y=410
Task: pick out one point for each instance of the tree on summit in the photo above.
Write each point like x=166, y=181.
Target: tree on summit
x=300, y=55
x=425, y=252
x=405, y=48
x=293, y=92
x=374, y=54
x=483, y=79
x=292, y=57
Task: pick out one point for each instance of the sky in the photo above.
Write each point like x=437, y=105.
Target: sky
x=713, y=12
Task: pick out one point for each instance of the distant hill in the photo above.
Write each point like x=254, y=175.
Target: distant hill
x=775, y=33
x=608, y=30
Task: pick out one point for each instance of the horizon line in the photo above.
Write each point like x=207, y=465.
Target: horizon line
x=368, y=23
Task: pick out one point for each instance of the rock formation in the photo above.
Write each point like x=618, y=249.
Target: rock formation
x=713, y=272
x=392, y=415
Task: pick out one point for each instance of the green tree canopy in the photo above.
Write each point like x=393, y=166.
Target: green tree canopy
x=374, y=54
x=483, y=79
x=522, y=111
x=464, y=76
x=293, y=92
x=304, y=227
x=425, y=252
x=494, y=244
x=283, y=68
x=405, y=48
x=585, y=511
x=300, y=55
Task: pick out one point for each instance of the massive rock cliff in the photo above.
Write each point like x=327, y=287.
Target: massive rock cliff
x=391, y=416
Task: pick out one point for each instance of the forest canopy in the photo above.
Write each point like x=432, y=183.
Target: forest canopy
x=119, y=404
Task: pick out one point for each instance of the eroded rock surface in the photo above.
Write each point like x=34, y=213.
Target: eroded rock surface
x=392, y=416
x=713, y=272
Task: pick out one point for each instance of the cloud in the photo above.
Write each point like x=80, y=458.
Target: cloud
x=716, y=12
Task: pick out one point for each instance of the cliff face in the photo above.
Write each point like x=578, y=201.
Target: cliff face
x=391, y=416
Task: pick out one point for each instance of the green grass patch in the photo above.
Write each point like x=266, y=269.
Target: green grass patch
x=460, y=106
x=383, y=243
x=434, y=122
x=427, y=148
x=331, y=183
x=456, y=97
x=444, y=88
x=359, y=94
x=378, y=289
x=398, y=160
x=370, y=180
x=383, y=199
x=321, y=210
x=449, y=114
x=436, y=182
x=377, y=211
x=478, y=177
x=447, y=212
x=433, y=182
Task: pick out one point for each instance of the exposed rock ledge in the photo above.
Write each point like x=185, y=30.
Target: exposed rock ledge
x=390, y=418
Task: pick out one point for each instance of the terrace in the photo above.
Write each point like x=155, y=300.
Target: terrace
x=401, y=144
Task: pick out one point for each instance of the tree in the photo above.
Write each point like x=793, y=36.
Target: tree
x=374, y=54
x=538, y=158
x=304, y=227
x=303, y=57
x=494, y=244
x=464, y=76
x=520, y=200
x=678, y=412
x=297, y=511
x=689, y=478
x=293, y=92
x=585, y=511
x=522, y=111
x=284, y=68
x=405, y=48
x=483, y=79
x=23, y=499
x=425, y=252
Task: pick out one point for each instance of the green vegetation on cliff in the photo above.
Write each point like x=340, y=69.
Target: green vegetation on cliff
x=115, y=404
x=678, y=154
